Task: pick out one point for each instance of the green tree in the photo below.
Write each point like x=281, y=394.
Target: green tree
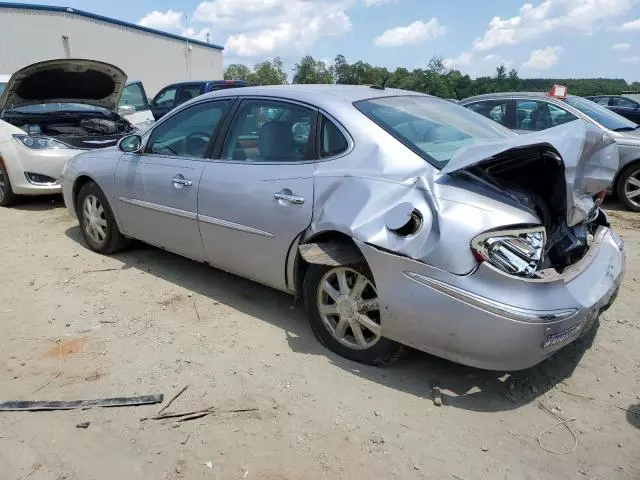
x=236, y=71
x=311, y=71
x=268, y=73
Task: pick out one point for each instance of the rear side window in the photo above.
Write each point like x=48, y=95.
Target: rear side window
x=623, y=102
x=602, y=101
x=332, y=141
x=537, y=115
x=496, y=110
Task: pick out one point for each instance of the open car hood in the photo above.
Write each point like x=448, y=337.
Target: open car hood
x=86, y=82
x=589, y=154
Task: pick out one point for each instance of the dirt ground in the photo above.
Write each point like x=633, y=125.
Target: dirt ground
x=77, y=325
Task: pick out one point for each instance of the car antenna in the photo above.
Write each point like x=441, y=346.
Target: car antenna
x=384, y=83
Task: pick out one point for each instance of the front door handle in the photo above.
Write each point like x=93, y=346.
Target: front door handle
x=287, y=196
x=180, y=181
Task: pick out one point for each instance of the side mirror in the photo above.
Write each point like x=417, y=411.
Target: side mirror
x=125, y=110
x=130, y=143
x=636, y=106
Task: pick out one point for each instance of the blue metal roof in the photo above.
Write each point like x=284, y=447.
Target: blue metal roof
x=81, y=13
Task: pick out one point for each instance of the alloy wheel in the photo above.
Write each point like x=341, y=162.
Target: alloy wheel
x=349, y=308
x=94, y=218
x=632, y=188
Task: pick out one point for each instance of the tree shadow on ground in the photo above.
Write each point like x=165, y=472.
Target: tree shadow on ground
x=462, y=387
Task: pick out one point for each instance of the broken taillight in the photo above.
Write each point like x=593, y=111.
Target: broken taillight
x=515, y=251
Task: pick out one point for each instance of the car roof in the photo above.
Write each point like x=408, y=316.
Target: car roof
x=317, y=94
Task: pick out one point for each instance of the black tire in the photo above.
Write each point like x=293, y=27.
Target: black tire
x=112, y=240
x=383, y=353
x=7, y=197
x=620, y=187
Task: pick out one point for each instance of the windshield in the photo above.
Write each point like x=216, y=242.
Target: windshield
x=58, y=107
x=434, y=129
x=600, y=114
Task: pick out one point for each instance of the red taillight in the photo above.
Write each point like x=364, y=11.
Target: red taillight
x=600, y=197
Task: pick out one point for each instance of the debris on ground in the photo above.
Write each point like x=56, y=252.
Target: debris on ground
x=84, y=425
x=437, y=395
x=34, y=406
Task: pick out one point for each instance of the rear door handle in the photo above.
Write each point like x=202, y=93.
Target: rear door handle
x=289, y=198
x=179, y=180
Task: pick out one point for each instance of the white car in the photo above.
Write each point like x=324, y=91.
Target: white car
x=51, y=111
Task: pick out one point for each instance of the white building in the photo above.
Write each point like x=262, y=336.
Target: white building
x=32, y=33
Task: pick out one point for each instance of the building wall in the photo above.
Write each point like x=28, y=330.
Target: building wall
x=29, y=36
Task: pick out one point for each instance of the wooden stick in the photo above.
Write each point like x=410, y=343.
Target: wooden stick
x=172, y=400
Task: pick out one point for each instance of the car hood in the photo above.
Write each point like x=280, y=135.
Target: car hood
x=589, y=154
x=86, y=82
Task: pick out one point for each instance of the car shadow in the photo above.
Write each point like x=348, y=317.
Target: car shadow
x=39, y=203
x=633, y=415
x=462, y=387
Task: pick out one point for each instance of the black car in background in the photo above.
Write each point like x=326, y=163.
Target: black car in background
x=623, y=105
x=177, y=93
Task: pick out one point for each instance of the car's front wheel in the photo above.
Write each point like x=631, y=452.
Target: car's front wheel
x=7, y=197
x=97, y=223
x=344, y=313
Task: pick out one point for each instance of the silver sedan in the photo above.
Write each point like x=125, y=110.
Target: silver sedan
x=399, y=218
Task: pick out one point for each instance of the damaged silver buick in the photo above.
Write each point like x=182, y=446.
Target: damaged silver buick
x=400, y=219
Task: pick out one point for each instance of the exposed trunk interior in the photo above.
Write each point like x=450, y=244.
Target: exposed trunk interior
x=535, y=178
x=85, y=130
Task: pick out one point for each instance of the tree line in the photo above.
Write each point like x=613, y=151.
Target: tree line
x=435, y=79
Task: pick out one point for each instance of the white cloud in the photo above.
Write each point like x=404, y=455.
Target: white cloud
x=631, y=26
x=414, y=33
x=491, y=56
x=634, y=59
x=463, y=60
x=543, y=58
x=371, y=3
x=168, y=20
x=260, y=27
x=621, y=46
x=534, y=21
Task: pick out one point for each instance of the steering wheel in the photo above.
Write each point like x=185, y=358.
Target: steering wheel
x=196, y=142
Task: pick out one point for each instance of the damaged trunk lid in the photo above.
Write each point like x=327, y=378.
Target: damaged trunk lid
x=585, y=154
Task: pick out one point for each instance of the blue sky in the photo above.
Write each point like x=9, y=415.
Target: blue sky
x=559, y=38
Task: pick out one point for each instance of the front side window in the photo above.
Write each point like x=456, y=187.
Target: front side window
x=538, y=115
x=434, y=129
x=602, y=101
x=133, y=96
x=332, y=141
x=2, y=87
x=496, y=110
x=270, y=131
x=624, y=102
x=187, y=133
x=166, y=98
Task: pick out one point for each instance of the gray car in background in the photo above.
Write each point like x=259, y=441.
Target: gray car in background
x=529, y=112
x=399, y=218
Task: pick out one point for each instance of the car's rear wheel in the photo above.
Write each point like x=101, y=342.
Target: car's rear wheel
x=7, y=197
x=97, y=223
x=628, y=187
x=344, y=313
